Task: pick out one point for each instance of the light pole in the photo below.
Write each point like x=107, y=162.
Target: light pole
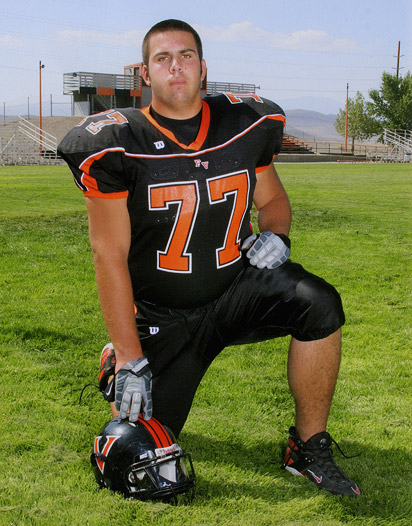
x=346, y=119
x=41, y=66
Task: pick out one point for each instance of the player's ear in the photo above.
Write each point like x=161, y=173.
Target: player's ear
x=203, y=69
x=145, y=74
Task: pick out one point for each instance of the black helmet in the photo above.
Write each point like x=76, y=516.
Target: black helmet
x=142, y=460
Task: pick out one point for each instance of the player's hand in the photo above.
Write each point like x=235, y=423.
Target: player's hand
x=134, y=390
x=267, y=250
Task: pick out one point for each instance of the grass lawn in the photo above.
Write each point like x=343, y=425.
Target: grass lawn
x=351, y=225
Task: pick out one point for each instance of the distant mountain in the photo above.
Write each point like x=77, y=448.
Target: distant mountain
x=319, y=104
x=62, y=109
x=311, y=126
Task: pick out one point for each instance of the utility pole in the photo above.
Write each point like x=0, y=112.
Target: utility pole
x=41, y=66
x=346, y=119
x=397, y=60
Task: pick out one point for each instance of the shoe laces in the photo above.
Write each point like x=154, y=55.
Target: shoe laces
x=322, y=449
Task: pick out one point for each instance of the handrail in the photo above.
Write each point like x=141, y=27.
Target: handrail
x=233, y=87
x=394, y=138
x=8, y=142
x=41, y=137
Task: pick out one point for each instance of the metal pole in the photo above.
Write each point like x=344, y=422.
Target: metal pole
x=51, y=105
x=41, y=66
x=397, y=60
x=346, y=119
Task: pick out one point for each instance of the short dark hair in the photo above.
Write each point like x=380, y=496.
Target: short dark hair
x=170, y=25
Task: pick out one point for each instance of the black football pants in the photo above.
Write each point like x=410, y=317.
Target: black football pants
x=260, y=305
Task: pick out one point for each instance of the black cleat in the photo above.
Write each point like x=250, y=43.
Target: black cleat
x=314, y=460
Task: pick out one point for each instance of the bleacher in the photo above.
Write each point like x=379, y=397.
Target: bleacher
x=22, y=142
x=292, y=144
x=18, y=148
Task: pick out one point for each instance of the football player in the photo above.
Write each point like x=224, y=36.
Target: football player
x=180, y=274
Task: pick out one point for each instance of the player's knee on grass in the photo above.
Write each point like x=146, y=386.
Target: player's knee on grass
x=323, y=311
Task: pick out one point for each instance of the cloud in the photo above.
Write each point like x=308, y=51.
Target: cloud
x=312, y=40
x=309, y=40
x=101, y=38
x=9, y=41
x=305, y=40
x=242, y=31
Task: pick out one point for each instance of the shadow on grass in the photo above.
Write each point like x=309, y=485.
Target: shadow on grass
x=383, y=476
x=41, y=335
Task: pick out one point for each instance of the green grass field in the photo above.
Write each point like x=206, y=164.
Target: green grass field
x=352, y=226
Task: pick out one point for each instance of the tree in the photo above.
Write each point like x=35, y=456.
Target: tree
x=360, y=123
x=392, y=104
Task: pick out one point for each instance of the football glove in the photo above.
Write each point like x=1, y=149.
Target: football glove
x=133, y=390
x=267, y=250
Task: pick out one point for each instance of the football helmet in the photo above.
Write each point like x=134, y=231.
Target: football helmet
x=142, y=460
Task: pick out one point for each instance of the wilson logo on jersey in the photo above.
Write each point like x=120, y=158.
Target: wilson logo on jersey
x=159, y=145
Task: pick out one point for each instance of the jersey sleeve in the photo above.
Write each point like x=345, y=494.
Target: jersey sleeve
x=272, y=127
x=94, y=154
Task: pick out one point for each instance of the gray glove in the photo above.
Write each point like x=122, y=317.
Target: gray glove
x=134, y=389
x=267, y=250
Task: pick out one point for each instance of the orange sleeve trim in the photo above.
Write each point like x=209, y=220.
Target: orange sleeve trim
x=101, y=195
x=260, y=169
x=90, y=182
x=92, y=190
x=279, y=117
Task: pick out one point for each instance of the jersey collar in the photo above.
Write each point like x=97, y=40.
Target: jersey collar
x=201, y=135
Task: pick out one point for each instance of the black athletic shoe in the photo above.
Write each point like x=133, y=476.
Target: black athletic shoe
x=314, y=460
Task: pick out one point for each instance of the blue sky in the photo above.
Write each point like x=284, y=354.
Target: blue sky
x=300, y=53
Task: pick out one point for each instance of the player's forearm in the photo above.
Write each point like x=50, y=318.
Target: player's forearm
x=117, y=305
x=275, y=216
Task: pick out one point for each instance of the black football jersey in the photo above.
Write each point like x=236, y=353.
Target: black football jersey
x=189, y=205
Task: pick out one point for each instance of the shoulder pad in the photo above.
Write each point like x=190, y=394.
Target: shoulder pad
x=99, y=130
x=243, y=101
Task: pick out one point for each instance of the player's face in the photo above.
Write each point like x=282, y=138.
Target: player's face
x=174, y=72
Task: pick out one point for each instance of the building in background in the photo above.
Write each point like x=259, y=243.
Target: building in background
x=96, y=92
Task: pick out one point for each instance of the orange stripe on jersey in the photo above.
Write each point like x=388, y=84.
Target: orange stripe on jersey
x=279, y=117
x=90, y=182
x=92, y=191
x=90, y=160
x=260, y=169
x=85, y=165
x=201, y=135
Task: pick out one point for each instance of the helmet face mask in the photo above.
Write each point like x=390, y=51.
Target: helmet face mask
x=142, y=461
x=161, y=476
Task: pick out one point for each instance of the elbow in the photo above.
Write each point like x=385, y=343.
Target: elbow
x=108, y=253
